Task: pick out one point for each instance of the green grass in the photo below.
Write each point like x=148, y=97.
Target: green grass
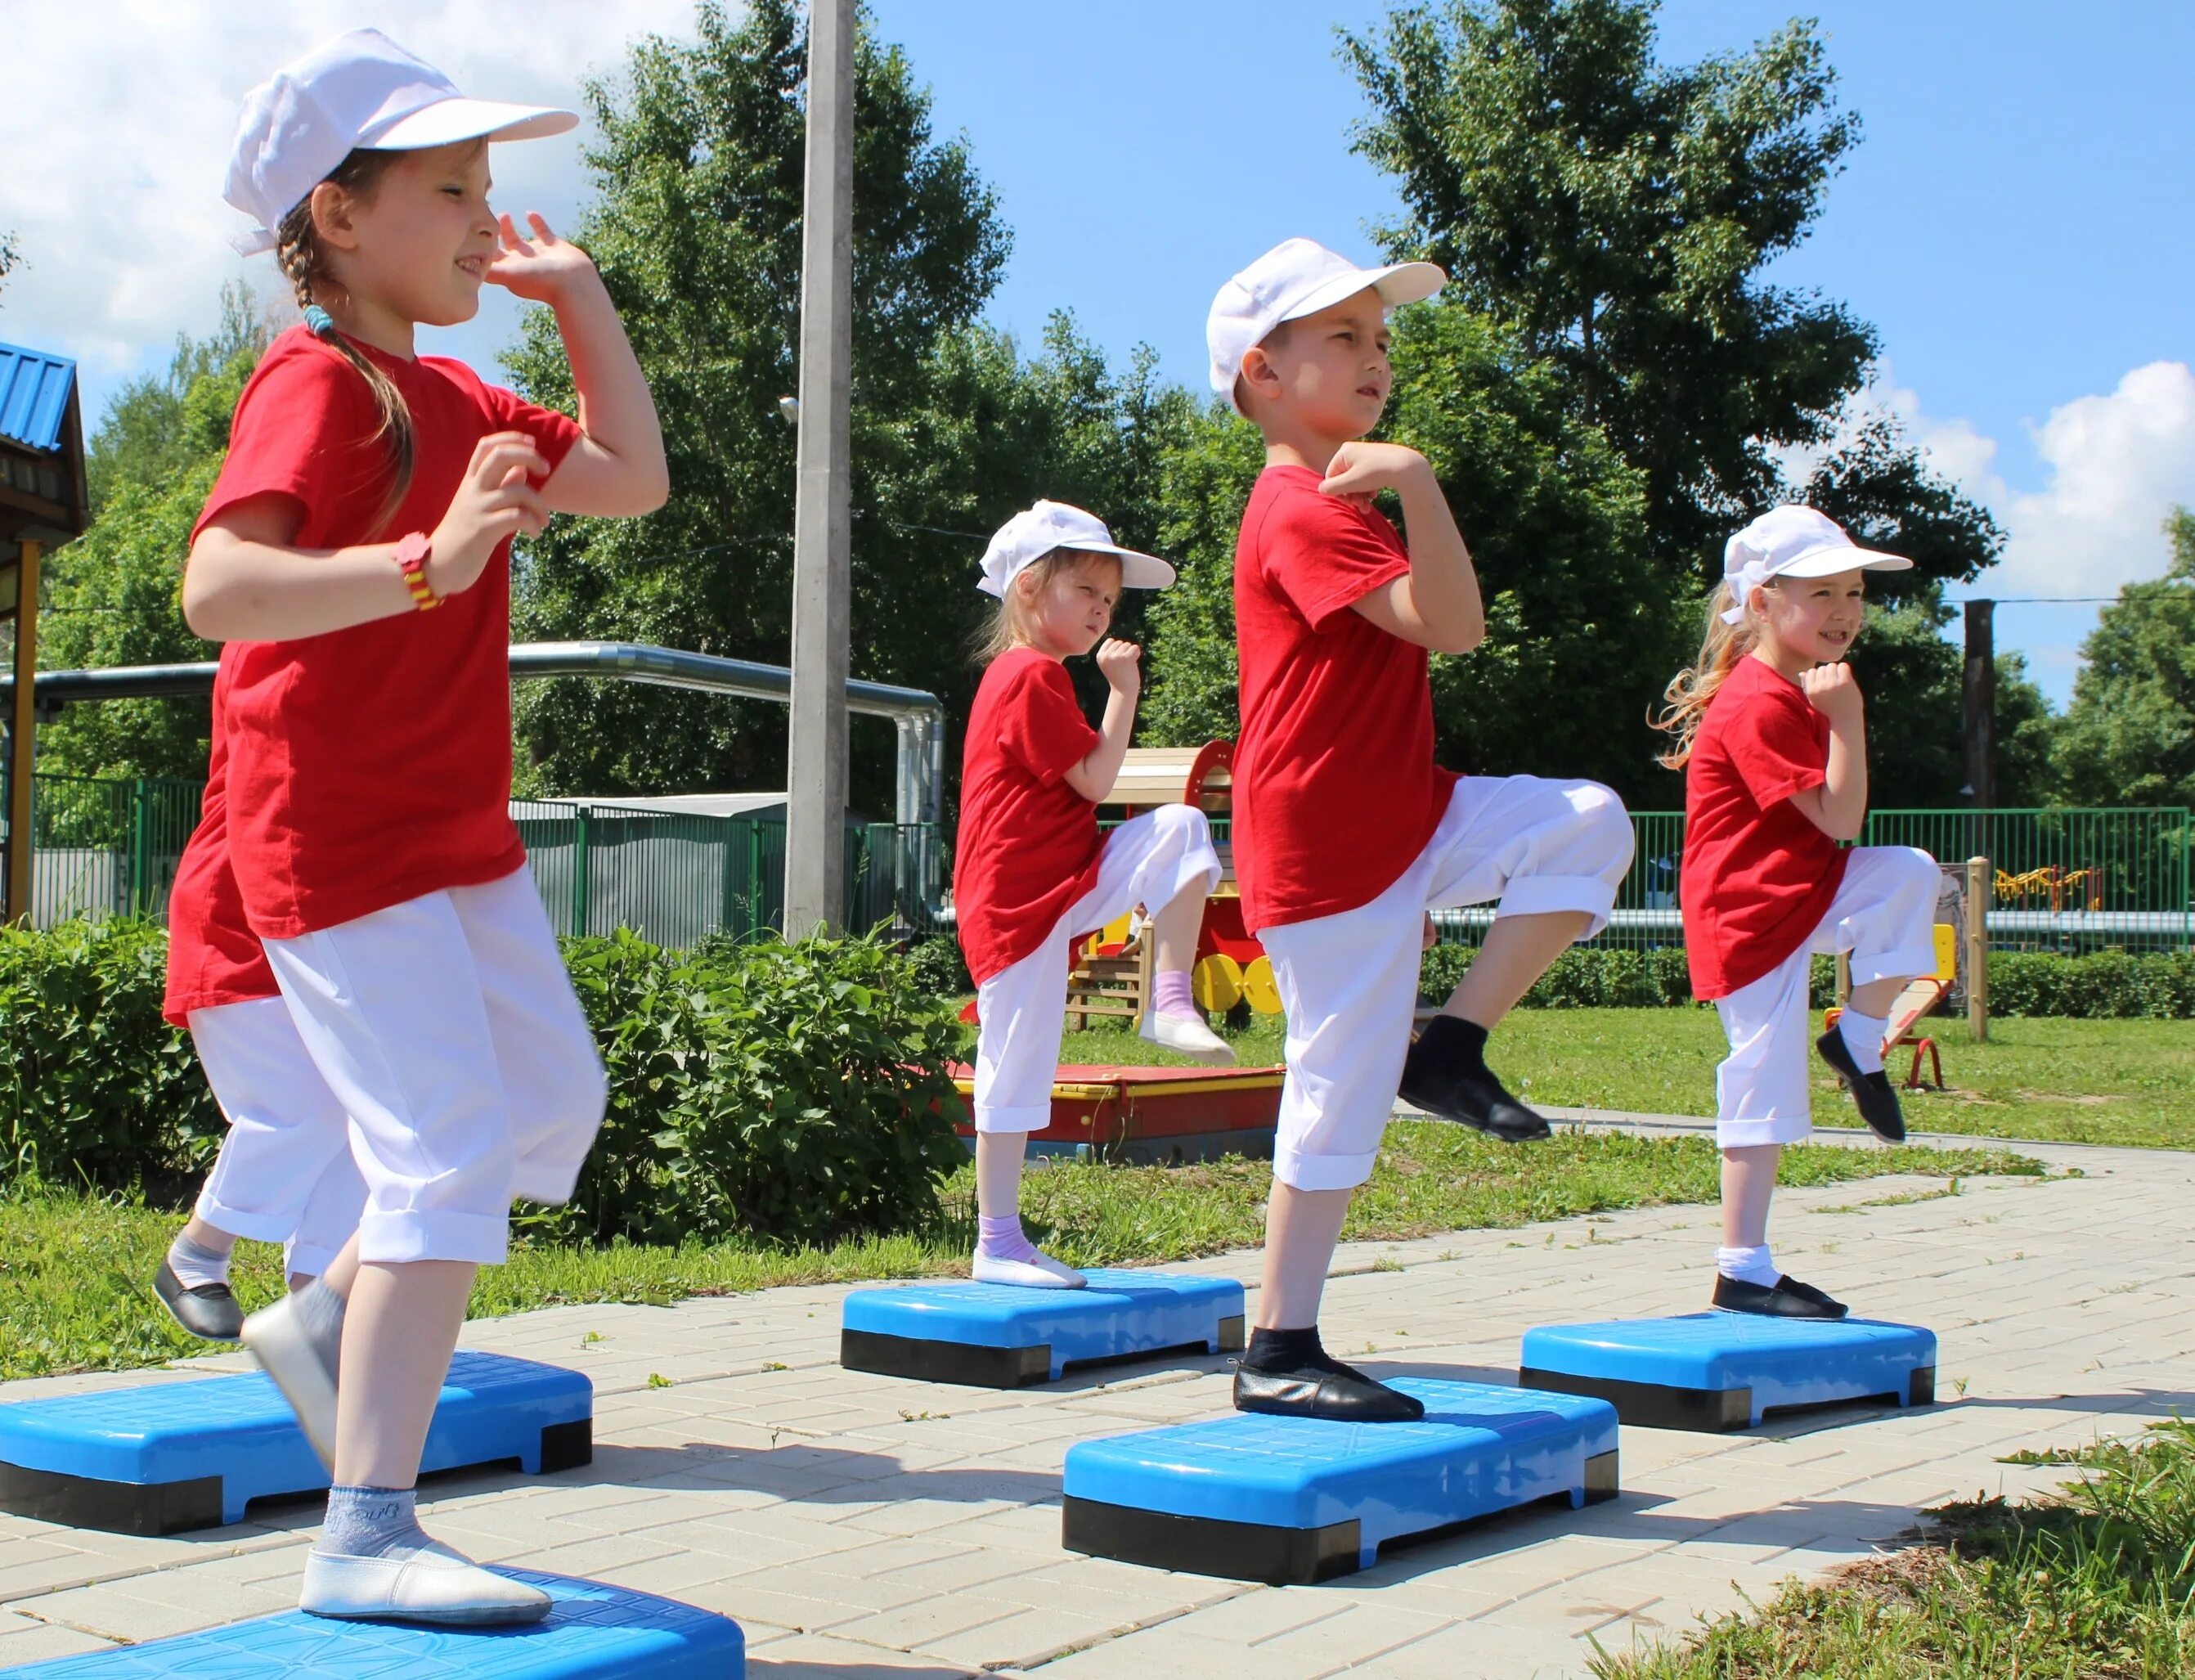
x=75, y=1270
x=2041, y=1078
x=2098, y=1584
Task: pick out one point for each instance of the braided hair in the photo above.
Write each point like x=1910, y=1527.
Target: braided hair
x=304, y=265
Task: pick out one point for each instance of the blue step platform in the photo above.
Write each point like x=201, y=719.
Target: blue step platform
x=163, y=1458
x=989, y=1335
x=1721, y=1371
x=1294, y=1500
x=594, y=1632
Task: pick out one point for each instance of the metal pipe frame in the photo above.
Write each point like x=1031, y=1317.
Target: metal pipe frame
x=918, y=714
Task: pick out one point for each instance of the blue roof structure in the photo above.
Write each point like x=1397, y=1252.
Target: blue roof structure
x=34, y=397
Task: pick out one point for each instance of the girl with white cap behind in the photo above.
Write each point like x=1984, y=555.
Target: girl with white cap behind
x=1031, y=871
x=353, y=557
x=1771, y=737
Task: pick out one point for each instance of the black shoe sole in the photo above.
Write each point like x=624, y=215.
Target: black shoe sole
x=1831, y=1048
x=1811, y=1304
x=1513, y=1132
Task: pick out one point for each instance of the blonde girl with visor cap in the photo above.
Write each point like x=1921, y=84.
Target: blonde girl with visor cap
x=354, y=559
x=1772, y=736
x=1032, y=872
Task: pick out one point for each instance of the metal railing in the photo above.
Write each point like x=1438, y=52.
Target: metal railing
x=2069, y=880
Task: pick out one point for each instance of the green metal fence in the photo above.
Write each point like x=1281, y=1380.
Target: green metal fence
x=105, y=847
x=2067, y=880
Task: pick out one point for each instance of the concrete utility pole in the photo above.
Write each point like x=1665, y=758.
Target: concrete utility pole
x=822, y=529
x=1978, y=703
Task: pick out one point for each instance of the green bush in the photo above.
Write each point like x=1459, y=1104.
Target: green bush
x=1585, y=977
x=98, y=1090
x=821, y=1103
x=800, y=1092
x=937, y=968
x=2105, y=985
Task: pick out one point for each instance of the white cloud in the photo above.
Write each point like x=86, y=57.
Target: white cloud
x=116, y=123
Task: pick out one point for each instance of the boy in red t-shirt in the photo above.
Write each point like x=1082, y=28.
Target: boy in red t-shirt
x=1772, y=740
x=1346, y=833
x=1032, y=873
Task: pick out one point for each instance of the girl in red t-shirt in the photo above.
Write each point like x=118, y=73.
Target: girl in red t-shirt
x=355, y=556
x=1773, y=740
x=1031, y=870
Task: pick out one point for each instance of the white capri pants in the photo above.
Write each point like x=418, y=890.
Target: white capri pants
x=284, y=1174
x=1349, y=981
x=447, y=1027
x=1884, y=915
x=1022, y=1011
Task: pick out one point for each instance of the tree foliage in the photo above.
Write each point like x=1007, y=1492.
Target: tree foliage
x=1619, y=214
x=2129, y=737
x=697, y=227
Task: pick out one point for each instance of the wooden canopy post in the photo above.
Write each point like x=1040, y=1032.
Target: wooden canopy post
x=21, y=728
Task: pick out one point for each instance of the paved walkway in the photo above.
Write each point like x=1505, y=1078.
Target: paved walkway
x=857, y=1525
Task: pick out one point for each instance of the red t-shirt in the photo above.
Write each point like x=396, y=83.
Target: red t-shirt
x=213, y=957
x=371, y=765
x=1758, y=873
x=1030, y=844
x=1336, y=792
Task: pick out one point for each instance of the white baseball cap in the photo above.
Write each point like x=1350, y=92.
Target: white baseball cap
x=1294, y=279
x=1034, y=532
x=1794, y=542
x=360, y=89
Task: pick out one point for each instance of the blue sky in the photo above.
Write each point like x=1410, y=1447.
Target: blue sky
x=2016, y=224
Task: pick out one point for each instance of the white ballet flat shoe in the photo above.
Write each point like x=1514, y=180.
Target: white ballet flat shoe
x=1042, y=1272
x=286, y=1354
x=435, y=1584
x=1186, y=1036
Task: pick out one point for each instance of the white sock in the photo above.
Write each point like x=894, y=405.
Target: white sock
x=1748, y=1266
x=195, y=1265
x=1863, y=1038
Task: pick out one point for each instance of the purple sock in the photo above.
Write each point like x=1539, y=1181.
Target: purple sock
x=1003, y=1239
x=1171, y=996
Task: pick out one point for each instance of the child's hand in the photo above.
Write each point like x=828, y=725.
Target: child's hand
x=1118, y=661
x=1360, y=471
x=494, y=500
x=1835, y=692
x=540, y=269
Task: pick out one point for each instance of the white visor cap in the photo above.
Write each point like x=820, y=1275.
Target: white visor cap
x=1297, y=278
x=1034, y=532
x=1795, y=542
x=360, y=89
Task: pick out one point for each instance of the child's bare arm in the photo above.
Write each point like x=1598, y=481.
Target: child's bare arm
x=1093, y=776
x=1838, y=806
x=1438, y=606
x=617, y=468
x=247, y=581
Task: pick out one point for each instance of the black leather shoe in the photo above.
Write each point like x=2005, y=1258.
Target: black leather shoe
x=1342, y=1394
x=1476, y=1100
x=1872, y=1092
x=209, y=1311
x=1787, y=1298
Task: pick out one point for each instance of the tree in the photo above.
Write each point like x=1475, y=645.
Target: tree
x=1581, y=629
x=696, y=228
x=2129, y=737
x=10, y=255
x=149, y=430
x=1618, y=214
x=114, y=596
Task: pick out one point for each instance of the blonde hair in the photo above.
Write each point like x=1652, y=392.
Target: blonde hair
x=1691, y=689
x=1007, y=627
x=304, y=264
